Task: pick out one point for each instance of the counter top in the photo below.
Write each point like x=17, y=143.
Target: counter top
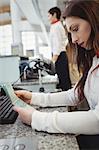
x=45, y=80
x=5, y=56
x=35, y=85
x=46, y=141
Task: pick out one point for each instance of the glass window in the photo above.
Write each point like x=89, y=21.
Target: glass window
x=5, y=40
x=28, y=41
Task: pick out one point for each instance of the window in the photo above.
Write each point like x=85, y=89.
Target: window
x=5, y=40
x=28, y=41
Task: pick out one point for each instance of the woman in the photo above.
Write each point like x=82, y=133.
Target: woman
x=82, y=23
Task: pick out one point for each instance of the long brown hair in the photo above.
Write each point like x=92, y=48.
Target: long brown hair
x=89, y=11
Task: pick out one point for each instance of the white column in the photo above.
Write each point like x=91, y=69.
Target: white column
x=36, y=51
x=17, y=47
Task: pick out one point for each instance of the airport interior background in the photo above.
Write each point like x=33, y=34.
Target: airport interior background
x=25, y=64
x=24, y=43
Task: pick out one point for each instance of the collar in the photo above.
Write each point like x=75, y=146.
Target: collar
x=55, y=21
x=97, y=53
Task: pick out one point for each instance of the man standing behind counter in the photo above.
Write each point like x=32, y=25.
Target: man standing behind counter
x=58, y=48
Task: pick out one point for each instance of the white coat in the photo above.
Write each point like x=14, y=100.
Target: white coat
x=80, y=122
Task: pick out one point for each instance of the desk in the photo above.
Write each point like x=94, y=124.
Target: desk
x=46, y=141
x=34, y=86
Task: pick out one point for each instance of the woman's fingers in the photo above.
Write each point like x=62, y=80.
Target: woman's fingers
x=24, y=95
x=25, y=114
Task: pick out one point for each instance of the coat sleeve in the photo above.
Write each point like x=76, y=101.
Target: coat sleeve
x=65, y=98
x=81, y=122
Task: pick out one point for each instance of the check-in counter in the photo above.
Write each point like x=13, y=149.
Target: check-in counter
x=48, y=83
x=45, y=141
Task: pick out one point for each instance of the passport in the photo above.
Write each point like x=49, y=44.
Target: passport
x=7, y=87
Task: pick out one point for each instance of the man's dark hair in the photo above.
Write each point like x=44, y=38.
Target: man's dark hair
x=56, y=10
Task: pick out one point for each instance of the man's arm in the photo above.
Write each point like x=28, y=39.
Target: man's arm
x=54, y=58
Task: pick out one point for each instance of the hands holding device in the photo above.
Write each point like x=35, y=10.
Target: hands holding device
x=25, y=113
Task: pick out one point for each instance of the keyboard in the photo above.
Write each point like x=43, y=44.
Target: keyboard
x=7, y=114
x=7, y=100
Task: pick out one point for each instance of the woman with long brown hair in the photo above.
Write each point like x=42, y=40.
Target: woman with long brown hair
x=82, y=23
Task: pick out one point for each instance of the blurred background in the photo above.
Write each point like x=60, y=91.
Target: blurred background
x=24, y=36
x=24, y=26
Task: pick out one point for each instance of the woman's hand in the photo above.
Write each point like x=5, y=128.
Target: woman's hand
x=25, y=114
x=26, y=96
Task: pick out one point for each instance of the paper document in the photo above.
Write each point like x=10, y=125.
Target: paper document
x=15, y=100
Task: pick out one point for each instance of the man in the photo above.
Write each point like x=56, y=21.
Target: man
x=58, y=47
